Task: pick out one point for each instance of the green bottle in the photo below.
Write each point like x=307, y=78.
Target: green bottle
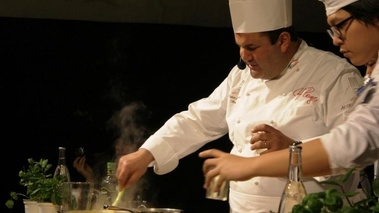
x=109, y=184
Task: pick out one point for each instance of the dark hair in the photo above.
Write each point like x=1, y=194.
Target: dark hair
x=274, y=34
x=366, y=11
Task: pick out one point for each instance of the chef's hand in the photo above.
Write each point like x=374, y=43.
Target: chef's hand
x=264, y=136
x=84, y=169
x=132, y=166
x=227, y=166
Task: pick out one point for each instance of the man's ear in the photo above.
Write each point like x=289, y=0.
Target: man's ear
x=284, y=41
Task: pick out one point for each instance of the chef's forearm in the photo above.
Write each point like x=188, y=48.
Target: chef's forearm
x=275, y=164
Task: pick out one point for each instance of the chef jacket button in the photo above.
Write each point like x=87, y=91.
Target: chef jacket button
x=248, y=94
x=272, y=123
x=238, y=121
x=256, y=183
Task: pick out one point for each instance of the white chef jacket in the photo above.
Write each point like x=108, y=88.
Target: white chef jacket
x=307, y=100
x=359, y=135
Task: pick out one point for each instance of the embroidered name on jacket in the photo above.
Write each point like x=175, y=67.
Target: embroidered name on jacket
x=234, y=95
x=306, y=92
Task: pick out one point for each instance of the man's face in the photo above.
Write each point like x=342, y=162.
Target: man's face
x=264, y=59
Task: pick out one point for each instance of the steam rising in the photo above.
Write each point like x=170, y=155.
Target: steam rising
x=130, y=126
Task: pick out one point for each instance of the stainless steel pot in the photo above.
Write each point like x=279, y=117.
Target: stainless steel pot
x=127, y=210
x=144, y=210
x=158, y=210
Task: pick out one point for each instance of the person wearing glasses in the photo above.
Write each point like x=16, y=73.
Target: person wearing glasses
x=353, y=144
x=303, y=91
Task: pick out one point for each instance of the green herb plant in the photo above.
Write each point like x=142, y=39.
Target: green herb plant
x=331, y=200
x=40, y=185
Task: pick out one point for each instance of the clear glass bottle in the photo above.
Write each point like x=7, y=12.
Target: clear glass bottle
x=61, y=171
x=294, y=191
x=109, y=184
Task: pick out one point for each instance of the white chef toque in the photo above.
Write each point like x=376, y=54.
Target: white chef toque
x=250, y=16
x=331, y=6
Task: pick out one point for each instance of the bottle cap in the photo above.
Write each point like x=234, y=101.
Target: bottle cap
x=111, y=165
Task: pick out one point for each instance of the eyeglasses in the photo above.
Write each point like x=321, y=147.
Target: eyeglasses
x=335, y=31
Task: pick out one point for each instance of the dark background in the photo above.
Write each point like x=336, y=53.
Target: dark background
x=63, y=79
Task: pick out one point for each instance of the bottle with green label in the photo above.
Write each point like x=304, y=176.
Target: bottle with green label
x=109, y=184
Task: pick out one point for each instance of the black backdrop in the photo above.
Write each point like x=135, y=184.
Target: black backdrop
x=62, y=80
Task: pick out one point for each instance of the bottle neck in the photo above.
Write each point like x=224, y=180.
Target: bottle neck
x=295, y=165
x=110, y=172
x=111, y=169
x=61, y=171
x=62, y=156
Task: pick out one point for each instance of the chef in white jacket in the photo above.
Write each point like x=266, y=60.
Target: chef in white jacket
x=302, y=91
x=353, y=144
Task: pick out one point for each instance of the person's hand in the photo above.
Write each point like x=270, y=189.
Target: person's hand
x=132, y=166
x=84, y=169
x=264, y=136
x=227, y=166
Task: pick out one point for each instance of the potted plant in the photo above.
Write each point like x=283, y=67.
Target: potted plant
x=40, y=185
x=331, y=200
